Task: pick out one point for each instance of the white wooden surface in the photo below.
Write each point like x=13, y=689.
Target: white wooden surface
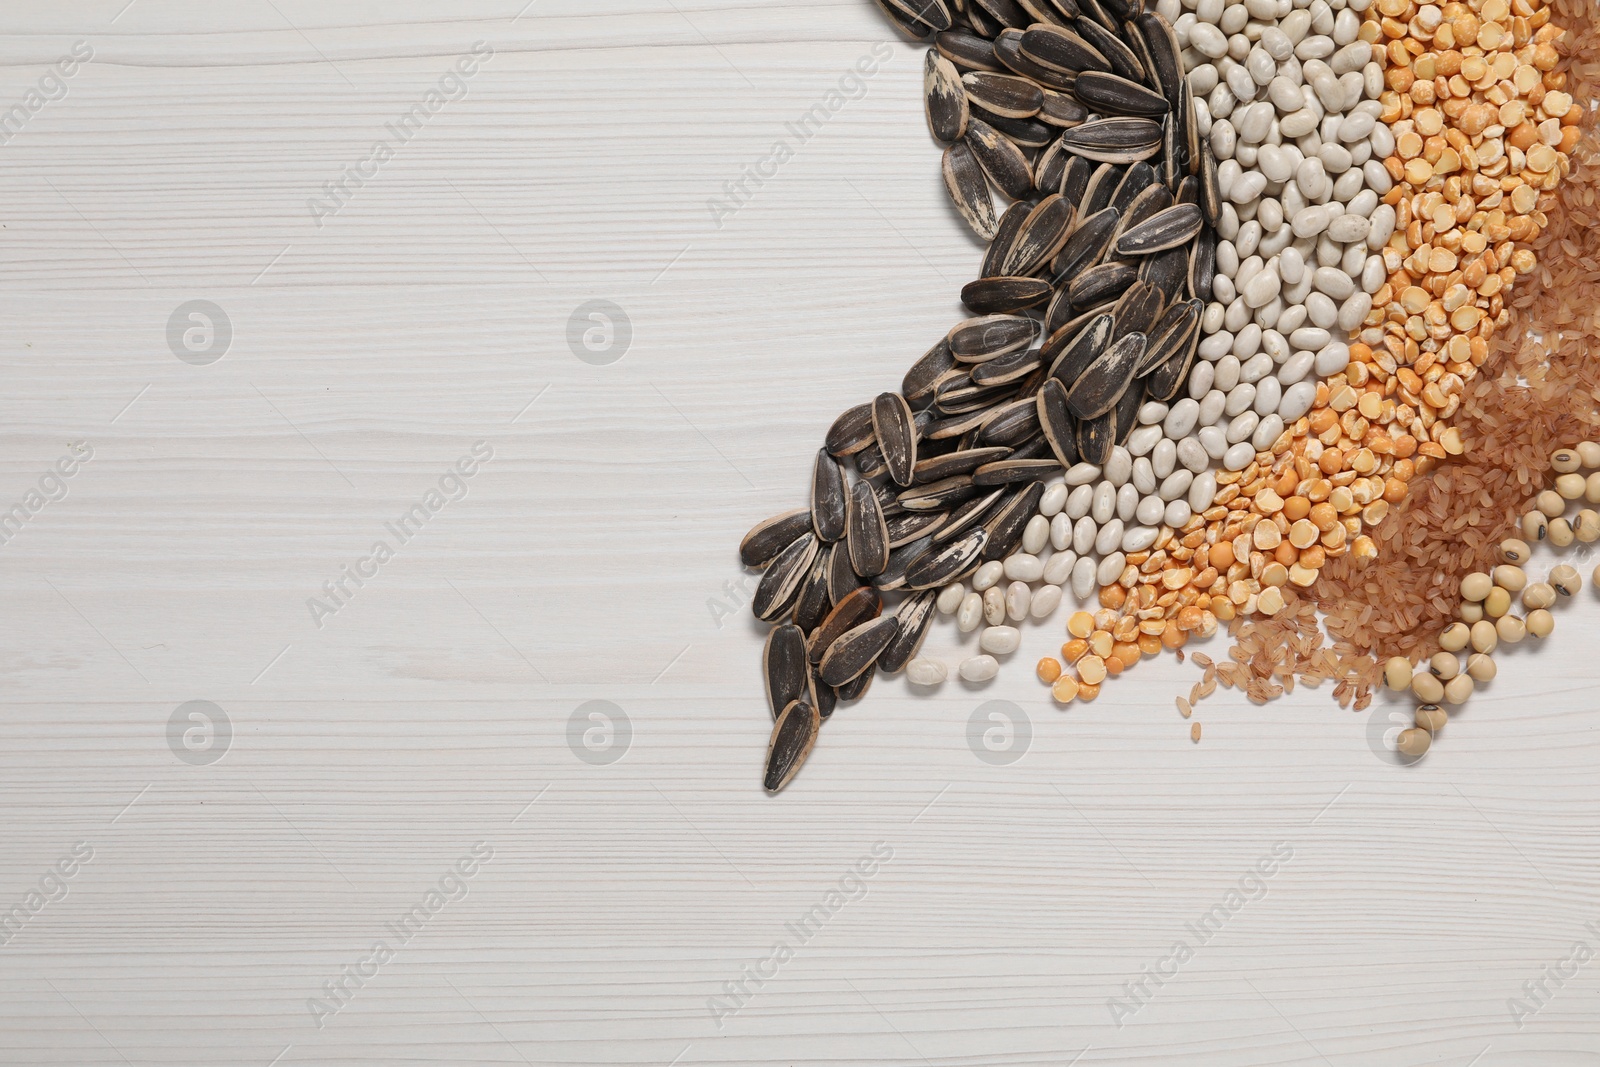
x=431, y=713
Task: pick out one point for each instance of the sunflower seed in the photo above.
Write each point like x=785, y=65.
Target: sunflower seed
x=911, y=526
x=1210, y=191
x=860, y=605
x=968, y=514
x=948, y=563
x=1131, y=37
x=1114, y=140
x=1055, y=48
x=1040, y=11
x=786, y=667
x=967, y=51
x=1075, y=181
x=850, y=432
x=1102, y=186
x=891, y=423
x=1137, y=311
x=828, y=497
x=1139, y=177
x=770, y=536
x=1035, y=447
x=885, y=493
x=1168, y=271
x=913, y=615
x=1025, y=133
x=1064, y=324
x=964, y=397
x=1151, y=201
x=856, y=688
x=813, y=602
x=894, y=575
x=1171, y=152
x=1125, y=416
x=1086, y=247
x=1005, y=528
x=922, y=380
x=1010, y=471
x=979, y=20
x=943, y=98
x=969, y=189
x=1005, y=12
x=1169, y=334
x=1096, y=438
x=866, y=534
x=967, y=421
x=827, y=696
x=1169, y=228
x=870, y=462
x=1100, y=386
x=1062, y=109
x=1011, y=423
x=842, y=577
x=1004, y=294
x=1188, y=129
x=793, y=737
x=1049, y=167
x=1177, y=342
x=905, y=23
x=1098, y=284
x=1016, y=366
x=856, y=649
x=1093, y=10
x=1079, y=350
x=953, y=464
x=990, y=337
x=1005, y=235
x=1008, y=50
x=1057, y=422
x=1203, y=264
x=1042, y=234
x=1059, y=313
x=938, y=495
x=1162, y=46
x=1001, y=160
x=1005, y=95
x=1119, y=55
x=776, y=592
x=931, y=13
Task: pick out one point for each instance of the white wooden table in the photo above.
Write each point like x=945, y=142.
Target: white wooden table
x=626, y=877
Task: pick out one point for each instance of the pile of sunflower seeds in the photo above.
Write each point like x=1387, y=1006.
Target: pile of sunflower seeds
x=1087, y=316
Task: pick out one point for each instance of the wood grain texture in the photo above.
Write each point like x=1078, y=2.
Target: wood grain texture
x=433, y=711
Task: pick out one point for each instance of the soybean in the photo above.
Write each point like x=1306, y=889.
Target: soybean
x=1431, y=717
x=1476, y=586
x=1428, y=689
x=1484, y=638
x=1564, y=579
x=1514, y=550
x=1458, y=689
x=1413, y=742
x=1510, y=629
x=1397, y=673
x=1510, y=578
